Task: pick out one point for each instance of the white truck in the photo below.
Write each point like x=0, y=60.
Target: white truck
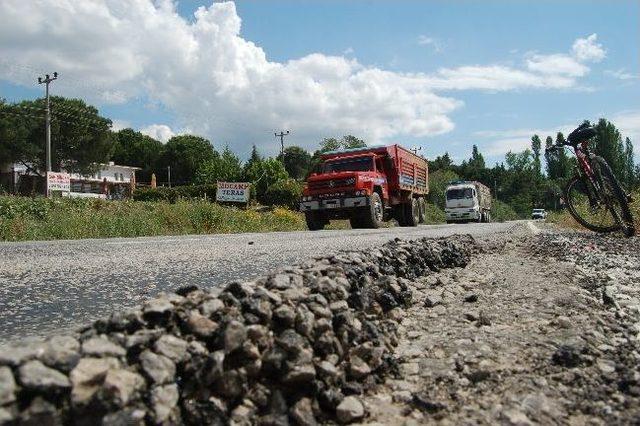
x=467, y=201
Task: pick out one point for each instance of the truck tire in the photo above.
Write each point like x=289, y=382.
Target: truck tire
x=372, y=215
x=422, y=210
x=315, y=221
x=411, y=213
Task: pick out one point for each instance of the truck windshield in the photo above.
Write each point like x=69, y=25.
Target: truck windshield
x=359, y=164
x=456, y=194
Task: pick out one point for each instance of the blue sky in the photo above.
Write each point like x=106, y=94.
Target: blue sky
x=440, y=110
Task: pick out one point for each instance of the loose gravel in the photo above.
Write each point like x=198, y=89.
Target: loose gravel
x=301, y=345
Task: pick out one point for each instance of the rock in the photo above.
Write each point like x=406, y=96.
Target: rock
x=326, y=369
x=567, y=356
x=515, y=418
x=61, y=352
x=158, y=368
x=88, y=376
x=606, y=366
x=234, y=336
x=164, y=400
x=200, y=325
x=302, y=413
x=122, y=385
x=172, y=347
x=35, y=375
x=301, y=373
x=211, y=307
x=471, y=297
x=40, y=412
x=285, y=314
x=126, y=417
x=432, y=300
x=100, y=346
x=483, y=319
x=7, y=416
x=17, y=355
x=157, y=309
x=471, y=316
x=358, y=369
x=609, y=295
x=279, y=282
x=7, y=386
x=291, y=341
x=349, y=410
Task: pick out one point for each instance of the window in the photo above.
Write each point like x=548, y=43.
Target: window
x=457, y=194
x=358, y=164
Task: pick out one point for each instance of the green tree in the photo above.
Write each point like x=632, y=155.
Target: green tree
x=185, y=154
x=608, y=144
x=442, y=162
x=536, y=146
x=226, y=168
x=265, y=173
x=330, y=144
x=297, y=161
x=438, y=182
x=350, y=142
x=80, y=137
x=629, y=178
x=132, y=148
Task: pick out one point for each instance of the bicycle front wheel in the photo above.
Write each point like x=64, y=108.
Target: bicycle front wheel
x=587, y=208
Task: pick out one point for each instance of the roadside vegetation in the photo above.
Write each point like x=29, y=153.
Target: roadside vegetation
x=23, y=218
x=564, y=219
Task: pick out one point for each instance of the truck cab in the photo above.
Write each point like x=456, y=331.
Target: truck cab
x=467, y=201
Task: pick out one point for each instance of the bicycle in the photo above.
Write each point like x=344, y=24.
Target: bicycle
x=594, y=196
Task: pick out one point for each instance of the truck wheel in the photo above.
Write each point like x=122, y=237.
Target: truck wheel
x=411, y=213
x=355, y=221
x=422, y=210
x=315, y=221
x=373, y=214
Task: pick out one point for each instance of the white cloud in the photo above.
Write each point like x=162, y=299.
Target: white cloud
x=222, y=86
x=434, y=43
x=161, y=132
x=497, y=143
x=117, y=125
x=587, y=50
x=629, y=124
x=622, y=74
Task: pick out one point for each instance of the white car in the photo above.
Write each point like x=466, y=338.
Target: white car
x=539, y=214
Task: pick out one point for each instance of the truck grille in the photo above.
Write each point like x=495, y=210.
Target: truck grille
x=328, y=184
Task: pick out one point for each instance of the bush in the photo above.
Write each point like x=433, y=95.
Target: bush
x=171, y=195
x=285, y=193
x=502, y=211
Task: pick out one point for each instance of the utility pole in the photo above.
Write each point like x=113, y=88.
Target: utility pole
x=47, y=80
x=415, y=149
x=281, y=135
x=169, y=175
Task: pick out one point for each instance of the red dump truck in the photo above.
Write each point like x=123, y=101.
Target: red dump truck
x=367, y=186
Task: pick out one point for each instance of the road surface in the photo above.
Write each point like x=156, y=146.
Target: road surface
x=56, y=286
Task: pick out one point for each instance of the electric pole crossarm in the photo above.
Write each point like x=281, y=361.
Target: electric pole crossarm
x=281, y=135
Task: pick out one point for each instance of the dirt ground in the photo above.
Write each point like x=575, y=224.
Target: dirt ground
x=539, y=329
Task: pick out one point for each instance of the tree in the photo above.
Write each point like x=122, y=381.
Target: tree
x=226, y=167
x=265, y=173
x=442, y=162
x=536, y=145
x=438, y=182
x=629, y=178
x=608, y=144
x=350, y=142
x=185, y=154
x=297, y=161
x=132, y=148
x=80, y=137
x=329, y=144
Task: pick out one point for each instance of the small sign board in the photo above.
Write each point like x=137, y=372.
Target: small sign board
x=58, y=182
x=234, y=192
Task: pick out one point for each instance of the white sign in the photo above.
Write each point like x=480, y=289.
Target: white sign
x=58, y=182
x=237, y=192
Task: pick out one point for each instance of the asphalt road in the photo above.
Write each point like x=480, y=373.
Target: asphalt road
x=57, y=286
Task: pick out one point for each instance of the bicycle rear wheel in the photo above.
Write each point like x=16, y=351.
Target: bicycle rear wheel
x=615, y=196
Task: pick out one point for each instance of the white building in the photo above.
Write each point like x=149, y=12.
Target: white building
x=110, y=180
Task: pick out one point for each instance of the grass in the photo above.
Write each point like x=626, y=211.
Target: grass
x=564, y=219
x=24, y=218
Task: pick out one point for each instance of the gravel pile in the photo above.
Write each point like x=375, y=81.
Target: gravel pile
x=298, y=346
